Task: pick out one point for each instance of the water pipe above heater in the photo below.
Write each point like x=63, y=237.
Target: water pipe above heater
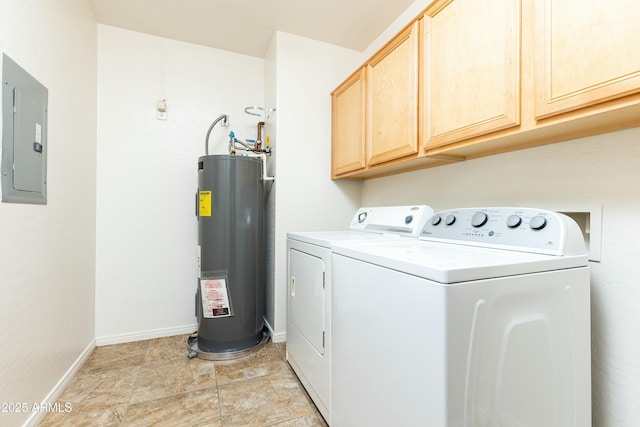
x=225, y=122
x=253, y=148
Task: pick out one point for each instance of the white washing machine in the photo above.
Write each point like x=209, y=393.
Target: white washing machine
x=482, y=321
x=309, y=293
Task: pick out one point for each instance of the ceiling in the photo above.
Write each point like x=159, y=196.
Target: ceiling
x=247, y=26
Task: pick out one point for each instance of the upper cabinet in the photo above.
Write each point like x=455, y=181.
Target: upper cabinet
x=348, y=125
x=375, y=113
x=472, y=78
x=471, y=55
x=392, y=106
x=585, y=53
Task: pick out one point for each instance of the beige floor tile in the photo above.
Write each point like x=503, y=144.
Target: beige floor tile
x=318, y=416
x=267, y=361
x=90, y=391
x=263, y=401
x=282, y=349
x=194, y=408
x=166, y=349
x=168, y=378
x=312, y=420
x=116, y=356
x=107, y=417
x=154, y=383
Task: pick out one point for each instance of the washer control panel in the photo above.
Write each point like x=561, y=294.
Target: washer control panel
x=403, y=220
x=526, y=229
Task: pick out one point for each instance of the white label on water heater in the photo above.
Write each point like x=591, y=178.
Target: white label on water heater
x=38, y=133
x=215, y=298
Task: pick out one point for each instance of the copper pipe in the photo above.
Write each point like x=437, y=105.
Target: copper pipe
x=259, y=138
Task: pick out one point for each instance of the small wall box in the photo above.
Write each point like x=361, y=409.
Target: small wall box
x=24, y=136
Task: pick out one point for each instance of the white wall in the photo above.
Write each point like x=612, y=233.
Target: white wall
x=146, y=228
x=47, y=253
x=147, y=173
x=303, y=73
x=407, y=16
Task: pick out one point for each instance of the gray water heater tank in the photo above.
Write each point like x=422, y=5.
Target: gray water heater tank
x=230, y=296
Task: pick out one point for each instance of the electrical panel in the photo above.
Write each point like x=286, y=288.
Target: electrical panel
x=24, y=136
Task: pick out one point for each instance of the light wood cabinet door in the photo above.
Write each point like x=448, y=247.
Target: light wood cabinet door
x=392, y=81
x=348, y=125
x=471, y=54
x=586, y=53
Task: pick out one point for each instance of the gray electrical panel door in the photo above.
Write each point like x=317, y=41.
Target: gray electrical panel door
x=24, y=136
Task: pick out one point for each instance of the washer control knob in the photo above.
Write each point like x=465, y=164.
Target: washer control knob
x=450, y=219
x=537, y=222
x=479, y=219
x=436, y=219
x=408, y=219
x=361, y=217
x=514, y=221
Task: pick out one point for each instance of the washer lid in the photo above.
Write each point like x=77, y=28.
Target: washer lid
x=452, y=263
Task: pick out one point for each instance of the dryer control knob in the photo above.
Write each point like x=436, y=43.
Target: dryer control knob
x=514, y=221
x=361, y=217
x=537, y=222
x=436, y=219
x=450, y=219
x=479, y=219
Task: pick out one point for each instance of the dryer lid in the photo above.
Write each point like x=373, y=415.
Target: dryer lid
x=371, y=223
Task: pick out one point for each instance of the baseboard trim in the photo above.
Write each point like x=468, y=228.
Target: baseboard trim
x=50, y=400
x=280, y=337
x=146, y=335
x=168, y=332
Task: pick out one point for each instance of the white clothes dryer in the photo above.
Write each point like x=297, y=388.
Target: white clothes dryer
x=482, y=321
x=309, y=293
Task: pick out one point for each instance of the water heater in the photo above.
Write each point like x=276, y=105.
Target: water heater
x=230, y=295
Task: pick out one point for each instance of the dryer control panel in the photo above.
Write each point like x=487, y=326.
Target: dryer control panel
x=524, y=229
x=402, y=220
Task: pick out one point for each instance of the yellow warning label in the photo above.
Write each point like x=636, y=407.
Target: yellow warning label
x=205, y=203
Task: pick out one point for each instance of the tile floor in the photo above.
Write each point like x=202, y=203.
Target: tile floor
x=154, y=383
